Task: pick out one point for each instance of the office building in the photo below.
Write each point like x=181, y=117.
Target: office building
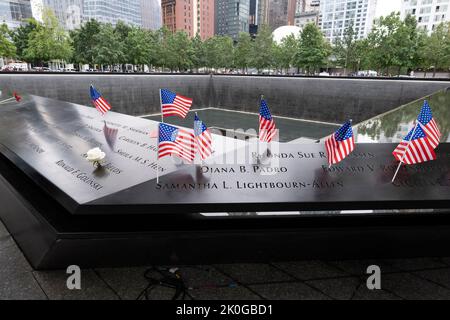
x=151, y=14
x=13, y=12
x=337, y=15
x=429, y=13
x=192, y=16
x=232, y=17
x=281, y=13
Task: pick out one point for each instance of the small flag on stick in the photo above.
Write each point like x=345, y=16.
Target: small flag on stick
x=340, y=144
x=176, y=141
x=429, y=125
x=173, y=104
x=415, y=148
x=99, y=102
x=267, y=129
x=202, y=138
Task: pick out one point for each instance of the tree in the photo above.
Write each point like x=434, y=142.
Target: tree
x=198, y=52
x=219, y=52
x=7, y=47
x=345, y=50
x=122, y=30
x=48, y=41
x=84, y=42
x=285, y=52
x=314, y=49
x=436, y=49
x=263, y=49
x=109, y=48
x=243, y=51
x=21, y=36
x=180, y=51
x=138, y=46
x=407, y=44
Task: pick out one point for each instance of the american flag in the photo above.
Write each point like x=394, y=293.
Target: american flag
x=99, y=102
x=110, y=135
x=203, y=138
x=415, y=148
x=340, y=144
x=429, y=125
x=267, y=129
x=173, y=104
x=176, y=141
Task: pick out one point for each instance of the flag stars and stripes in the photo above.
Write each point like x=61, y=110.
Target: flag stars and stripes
x=203, y=138
x=99, y=102
x=267, y=129
x=176, y=141
x=340, y=144
x=173, y=104
x=415, y=147
x=429, y=125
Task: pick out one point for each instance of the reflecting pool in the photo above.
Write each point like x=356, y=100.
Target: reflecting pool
x=394, y=125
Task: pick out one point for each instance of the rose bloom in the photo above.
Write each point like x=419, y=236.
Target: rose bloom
x=95, y=155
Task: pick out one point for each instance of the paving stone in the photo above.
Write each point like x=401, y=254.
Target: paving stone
x=3, y=231
x=359, y=267
x=339, y=288
x=251, y=273
x=365, y=294
x=306, y=270
x=6, y=241
x=203, y=276
x=288, y=291
x=441, y=276
x=417, y=263
x=409, y=286
x=92, y=287
x=446, y=260
x=12, y=261
x=20, y=286
x=223, y=293
x=160, y=293
x=128, y=283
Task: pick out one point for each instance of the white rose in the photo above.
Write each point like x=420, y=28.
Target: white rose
x=95, y=155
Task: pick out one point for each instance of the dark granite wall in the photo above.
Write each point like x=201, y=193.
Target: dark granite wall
x=324, y=99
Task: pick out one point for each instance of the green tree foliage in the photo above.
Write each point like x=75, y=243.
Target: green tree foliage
x=243, y=51
x=21, y=36
x=263, y=49
x=7, y=47
x=84, y=42
x=436, y=49
x=345, y=50
x=179, y=55
x=48, y=41
x=219, y=52
x=109, y=49
x=138, y=46
x=285, y=53
x=198, y=53
x=313, y=50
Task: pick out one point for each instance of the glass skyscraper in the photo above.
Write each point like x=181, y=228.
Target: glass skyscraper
x=13, y=12
x=232, y=17
x=337, y=15
x=71, y=13
x=112, y=11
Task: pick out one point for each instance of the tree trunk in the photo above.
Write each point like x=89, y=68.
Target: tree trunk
x=434, y=72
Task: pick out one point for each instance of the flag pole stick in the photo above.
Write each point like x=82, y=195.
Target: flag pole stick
x=160, y=105
x=157, y=158
x=404, y=154
x=6, y=100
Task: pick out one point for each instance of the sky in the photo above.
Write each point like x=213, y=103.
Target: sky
x=384, y=7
